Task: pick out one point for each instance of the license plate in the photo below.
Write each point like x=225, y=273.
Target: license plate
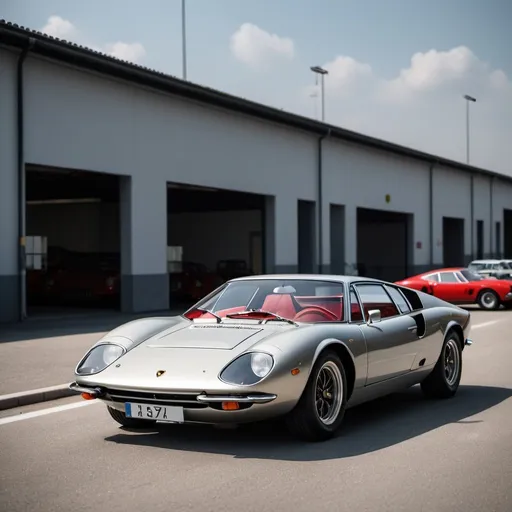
x=154, y=412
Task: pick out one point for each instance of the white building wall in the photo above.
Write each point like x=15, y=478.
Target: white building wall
x=482, y=211
x=110, y=126
x=354, y=177
x=501, y=199
x=75, y=119
x=451, y=198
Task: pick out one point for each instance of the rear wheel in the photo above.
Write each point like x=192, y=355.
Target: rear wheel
x=321, y=408
x=121, y=418
x=488, y=299
x=444, y=380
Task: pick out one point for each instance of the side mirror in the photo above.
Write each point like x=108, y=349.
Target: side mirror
x=373, y=316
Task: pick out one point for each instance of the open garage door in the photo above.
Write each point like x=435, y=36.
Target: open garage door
x=72, y=243
x=507, y=233
x=213, y=236
x=383, y=244
x=453, y=242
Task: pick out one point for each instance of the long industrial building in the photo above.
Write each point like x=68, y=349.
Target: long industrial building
x=115, y=178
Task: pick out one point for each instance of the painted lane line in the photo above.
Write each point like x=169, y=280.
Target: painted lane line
x=43, y=412
x=486, y=324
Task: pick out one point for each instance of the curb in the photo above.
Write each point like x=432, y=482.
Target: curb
x=34, y=396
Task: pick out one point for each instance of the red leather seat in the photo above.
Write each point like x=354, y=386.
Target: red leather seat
x=280, y=304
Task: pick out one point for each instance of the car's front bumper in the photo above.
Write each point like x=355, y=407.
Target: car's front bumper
x=197, y=407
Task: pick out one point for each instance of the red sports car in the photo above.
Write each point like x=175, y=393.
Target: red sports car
x=462, y=286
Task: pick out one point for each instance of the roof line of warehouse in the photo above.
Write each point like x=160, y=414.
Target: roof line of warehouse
x=18, y=36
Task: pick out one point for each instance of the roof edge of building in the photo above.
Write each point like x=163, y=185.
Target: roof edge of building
x=18, y=36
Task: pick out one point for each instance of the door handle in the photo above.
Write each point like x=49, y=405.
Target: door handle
x=414, y=328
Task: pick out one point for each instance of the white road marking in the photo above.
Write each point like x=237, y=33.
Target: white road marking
x=43, y=412
x=486, y=324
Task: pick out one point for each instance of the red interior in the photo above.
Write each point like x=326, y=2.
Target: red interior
x=306, y=309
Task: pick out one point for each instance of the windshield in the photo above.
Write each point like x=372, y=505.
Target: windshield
x=471, y=276
x=298, y=300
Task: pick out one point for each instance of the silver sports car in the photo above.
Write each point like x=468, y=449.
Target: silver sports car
x=301, y=347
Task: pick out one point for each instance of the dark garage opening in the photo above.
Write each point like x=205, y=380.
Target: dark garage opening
x=384, y=244
x=507, y=233
x=337, y=238
x=72, y=240
x=306, y=237
x=453, y=242
x=213, y=235
x=479, y=239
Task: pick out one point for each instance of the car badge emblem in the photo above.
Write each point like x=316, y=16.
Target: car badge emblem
x=159, y=373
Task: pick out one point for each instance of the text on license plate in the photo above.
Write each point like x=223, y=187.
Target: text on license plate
x=154, y=412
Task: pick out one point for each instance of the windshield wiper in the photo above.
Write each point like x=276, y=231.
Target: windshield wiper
x=218, y=318
x=262, y=312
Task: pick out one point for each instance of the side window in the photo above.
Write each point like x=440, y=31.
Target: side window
x=448, y=277
x=460, y=277
x=356, y=315
x=432, y=277
x=399, y=299
x=374, y=296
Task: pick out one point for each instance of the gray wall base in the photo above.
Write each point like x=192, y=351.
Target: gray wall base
x=140, y=293
x=9, y=299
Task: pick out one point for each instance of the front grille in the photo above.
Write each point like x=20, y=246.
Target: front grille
x=188, y=400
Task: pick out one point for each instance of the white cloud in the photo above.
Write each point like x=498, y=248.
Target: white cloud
x=422, y=107
x=259, y=49
x=60, y=28
x=65, y=29
x=132, y=52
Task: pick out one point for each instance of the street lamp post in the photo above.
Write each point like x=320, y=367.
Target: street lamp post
x=472, y=199
x=183, y=40
x=322, y=72
x=468, y=99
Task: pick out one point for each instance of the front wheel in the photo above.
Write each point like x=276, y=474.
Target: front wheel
x=321, y=408
x=444, y=380
x=121, y=418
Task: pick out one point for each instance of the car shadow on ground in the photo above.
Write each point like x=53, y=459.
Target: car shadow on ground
x=367, y=428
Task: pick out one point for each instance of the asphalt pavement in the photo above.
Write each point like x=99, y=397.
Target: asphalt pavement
x=44, y=352
x=401, y=453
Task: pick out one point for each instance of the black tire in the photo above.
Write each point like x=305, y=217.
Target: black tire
x=438, y=384
x=304, y=420
x=121, y=418
x=489, y=300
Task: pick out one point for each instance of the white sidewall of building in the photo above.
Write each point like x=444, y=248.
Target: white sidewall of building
x=78, y=120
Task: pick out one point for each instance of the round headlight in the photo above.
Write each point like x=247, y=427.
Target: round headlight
x=261, y=364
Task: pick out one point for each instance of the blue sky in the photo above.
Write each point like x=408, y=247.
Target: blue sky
x=424, y=109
